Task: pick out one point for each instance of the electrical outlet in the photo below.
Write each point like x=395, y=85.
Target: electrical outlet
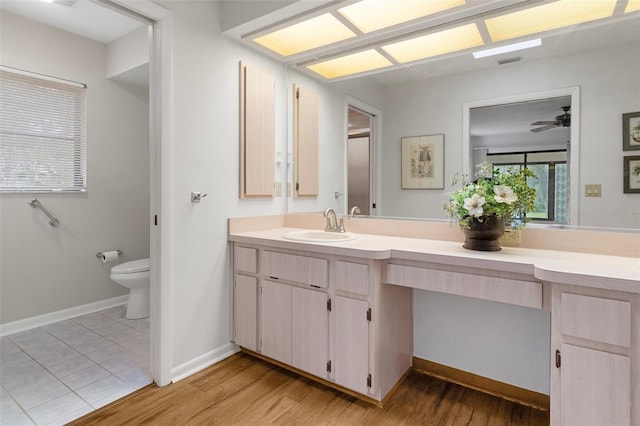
x=278, y=189
x=593, y=190
x=511, y=237
x=288, y=189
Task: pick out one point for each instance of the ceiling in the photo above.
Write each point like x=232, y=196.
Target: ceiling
x=516, y=118
x=91, y=20
x=80, y=17
x=96, y=22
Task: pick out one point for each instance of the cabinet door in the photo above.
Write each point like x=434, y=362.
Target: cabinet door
x=310, y=331
x=351, y=344
x=275, y=320
x=245, y=321
x=595, y=387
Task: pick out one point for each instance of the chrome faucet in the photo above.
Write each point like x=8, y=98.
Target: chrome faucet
x=332, y=222
x=354, y=211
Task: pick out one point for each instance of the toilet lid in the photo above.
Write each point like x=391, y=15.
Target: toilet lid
x=140, y=265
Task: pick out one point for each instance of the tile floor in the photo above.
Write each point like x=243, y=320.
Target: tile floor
x=53, y=374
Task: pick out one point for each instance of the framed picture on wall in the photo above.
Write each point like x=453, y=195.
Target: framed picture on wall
x=631, y=131
x=631, y=174
x=423, y=162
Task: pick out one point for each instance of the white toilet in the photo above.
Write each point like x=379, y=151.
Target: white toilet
x=135, y=276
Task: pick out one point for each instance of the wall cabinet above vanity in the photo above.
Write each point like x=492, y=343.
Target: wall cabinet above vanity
x=257, y=132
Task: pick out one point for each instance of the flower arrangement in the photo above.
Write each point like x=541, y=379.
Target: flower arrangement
x=505, y=194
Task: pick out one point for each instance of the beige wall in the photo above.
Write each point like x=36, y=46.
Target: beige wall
x=45, y=269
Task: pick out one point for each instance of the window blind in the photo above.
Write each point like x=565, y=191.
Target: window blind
x=43, y=143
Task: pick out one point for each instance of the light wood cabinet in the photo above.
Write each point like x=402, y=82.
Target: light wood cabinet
x=595, y=387
x=595, y=340
x=329, y=317
x=295, y=268
x=353, y=316
x=276, y=321
x=352, y=344
x=306, y=142
x=257, y=132
x=480, y=285
x=294, y=319
x=245, y=297
x=310, y=332
x=245, y=311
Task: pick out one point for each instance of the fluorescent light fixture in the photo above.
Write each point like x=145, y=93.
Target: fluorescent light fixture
x=306, y=35
x=632, y=6
x=508, y=48
x=354, y=63
x=372, y=15
x=434, y=44
x=549, y=16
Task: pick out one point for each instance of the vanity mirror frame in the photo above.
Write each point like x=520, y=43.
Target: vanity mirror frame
x=574, y=152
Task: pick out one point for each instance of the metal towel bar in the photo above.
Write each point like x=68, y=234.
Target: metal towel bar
x=52, y=220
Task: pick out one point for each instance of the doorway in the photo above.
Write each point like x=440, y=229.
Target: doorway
x=492, y=129
x=362, y=163
x=359, y=160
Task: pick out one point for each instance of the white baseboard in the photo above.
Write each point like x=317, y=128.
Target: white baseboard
x=45, y=319
x=203, y=361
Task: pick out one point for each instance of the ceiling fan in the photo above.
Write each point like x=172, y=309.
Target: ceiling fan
x=563, y=120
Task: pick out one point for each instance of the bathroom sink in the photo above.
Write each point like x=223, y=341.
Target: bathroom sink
x=319, y=236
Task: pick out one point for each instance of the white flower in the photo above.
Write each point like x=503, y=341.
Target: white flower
x=474, y=205
x=504, y=194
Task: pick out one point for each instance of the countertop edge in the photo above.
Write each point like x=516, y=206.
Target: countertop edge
x=609, y=272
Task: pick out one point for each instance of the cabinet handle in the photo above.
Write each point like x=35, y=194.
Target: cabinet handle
x=558, y=358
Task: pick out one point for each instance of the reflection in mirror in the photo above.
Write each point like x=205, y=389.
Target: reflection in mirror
x=593, y=63
x=513, y=136
x=358, y=160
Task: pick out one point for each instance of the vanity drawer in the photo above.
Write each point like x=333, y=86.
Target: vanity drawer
x=292, y=267
x=516, y=292
x=352, y=277
x=595, y=318
x=245, y=259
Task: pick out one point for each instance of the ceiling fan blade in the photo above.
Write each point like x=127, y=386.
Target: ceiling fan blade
x=540, y=123
x=540, y=129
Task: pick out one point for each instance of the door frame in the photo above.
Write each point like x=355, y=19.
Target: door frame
x=574, y=144
x=160, y=22
x=375, y=162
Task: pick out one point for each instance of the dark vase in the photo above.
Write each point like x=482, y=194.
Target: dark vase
x=485, y=235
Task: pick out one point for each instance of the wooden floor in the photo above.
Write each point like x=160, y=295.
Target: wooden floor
x=245, y=390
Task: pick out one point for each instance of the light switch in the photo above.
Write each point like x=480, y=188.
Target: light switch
x=593, y=190
x=278, y=189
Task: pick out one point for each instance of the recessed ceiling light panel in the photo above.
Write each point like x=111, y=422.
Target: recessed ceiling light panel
x=306, y=35
x=549, y=16
x=632, y=6
x=355, y=63
x=508, y=48
x=372, y=15
x=434, y=44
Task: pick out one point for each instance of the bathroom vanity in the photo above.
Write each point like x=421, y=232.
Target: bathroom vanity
x=341, y=312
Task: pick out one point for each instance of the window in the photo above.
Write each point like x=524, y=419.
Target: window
x=42, y=133
x=550, y=167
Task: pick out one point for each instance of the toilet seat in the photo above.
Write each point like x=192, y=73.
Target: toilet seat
x=140, y=265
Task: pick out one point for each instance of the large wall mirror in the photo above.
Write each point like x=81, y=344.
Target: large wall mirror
x=592, y=72
x=536, y=131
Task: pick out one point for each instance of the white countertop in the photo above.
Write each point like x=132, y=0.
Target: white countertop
x=588, y=270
